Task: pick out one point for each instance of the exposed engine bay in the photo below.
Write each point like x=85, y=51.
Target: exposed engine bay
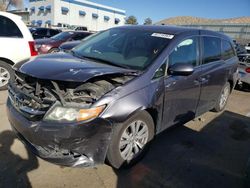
x=34, y=96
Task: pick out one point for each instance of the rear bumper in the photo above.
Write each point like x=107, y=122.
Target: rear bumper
x=244, y=76
x=73, y=145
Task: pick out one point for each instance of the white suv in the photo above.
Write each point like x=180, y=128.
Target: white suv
x=16, y=44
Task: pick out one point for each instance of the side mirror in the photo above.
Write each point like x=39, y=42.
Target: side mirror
x=181, y=69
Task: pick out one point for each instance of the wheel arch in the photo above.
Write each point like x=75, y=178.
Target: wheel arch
x=231, y=82
x=153, y=112
x=7, y=61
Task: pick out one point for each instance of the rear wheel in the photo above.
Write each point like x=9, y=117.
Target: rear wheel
x=223, y=98
x=130, y=140
x=5, y=75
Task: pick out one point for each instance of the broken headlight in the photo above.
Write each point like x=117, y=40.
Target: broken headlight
x=67, y=114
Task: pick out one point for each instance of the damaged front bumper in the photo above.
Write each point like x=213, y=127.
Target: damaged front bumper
x=68, y=144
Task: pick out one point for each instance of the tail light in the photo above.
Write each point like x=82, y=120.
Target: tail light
x=33, y=50
x=248, y=70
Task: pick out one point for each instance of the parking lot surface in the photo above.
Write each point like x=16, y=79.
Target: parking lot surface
x=211, y=151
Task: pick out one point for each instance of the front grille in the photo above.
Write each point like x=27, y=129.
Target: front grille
x=32, y=97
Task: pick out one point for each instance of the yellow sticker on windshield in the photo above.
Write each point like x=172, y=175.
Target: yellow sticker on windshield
x=162, y=35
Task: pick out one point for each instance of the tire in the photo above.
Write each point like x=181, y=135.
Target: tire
x=54, y=50
x=245, y=86
x=114, y=154
x=6, y=73
x=223, y=98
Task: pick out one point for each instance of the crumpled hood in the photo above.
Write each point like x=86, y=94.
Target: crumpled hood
x=65, y=67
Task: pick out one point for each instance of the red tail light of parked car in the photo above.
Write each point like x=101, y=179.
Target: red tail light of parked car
x=248, y=70
x=33, y=50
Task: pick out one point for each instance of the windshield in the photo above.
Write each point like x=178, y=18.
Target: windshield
x=62, y=36
x=130, y=48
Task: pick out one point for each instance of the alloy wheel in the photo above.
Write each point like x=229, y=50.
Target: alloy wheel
x=4, y=76
x=133, y=140
x=224, y=97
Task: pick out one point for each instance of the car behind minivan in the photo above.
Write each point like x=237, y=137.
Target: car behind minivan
x=41, y=33
x=51, y=45
x=16, y=44
x=109, y=97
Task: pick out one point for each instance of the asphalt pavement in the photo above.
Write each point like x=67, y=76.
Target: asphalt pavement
x=210, y=151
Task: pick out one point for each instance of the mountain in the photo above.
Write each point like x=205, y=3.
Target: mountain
x=188, y=20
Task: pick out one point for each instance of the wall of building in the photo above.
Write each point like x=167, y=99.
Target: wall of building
x=72, y=16
x=43, y=15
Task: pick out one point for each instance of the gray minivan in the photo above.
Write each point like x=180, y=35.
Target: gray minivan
x=109, y=97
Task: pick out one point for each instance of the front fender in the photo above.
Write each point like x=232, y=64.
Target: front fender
x=149, y=97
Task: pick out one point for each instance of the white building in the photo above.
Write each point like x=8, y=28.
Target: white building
x=94, y=16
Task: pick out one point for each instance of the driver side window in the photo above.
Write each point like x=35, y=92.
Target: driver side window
x=185, y=52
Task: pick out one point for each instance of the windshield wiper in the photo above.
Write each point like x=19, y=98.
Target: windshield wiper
x=104, y=61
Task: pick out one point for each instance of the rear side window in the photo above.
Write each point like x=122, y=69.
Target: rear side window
x=54, y=32
x=42, y=32
x=9, y=28
x=185, y=52
x=227, y=50
x=211, y=49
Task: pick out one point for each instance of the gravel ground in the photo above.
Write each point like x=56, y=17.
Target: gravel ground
x=210, y=151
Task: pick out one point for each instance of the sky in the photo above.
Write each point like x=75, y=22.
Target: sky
x=161, y=9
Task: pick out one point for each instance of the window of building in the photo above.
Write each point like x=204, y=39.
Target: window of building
x=227, y=50
x=39, y=22
x=48, y=8
x=64, y=10
x=82, y=13
x=117, y=21
x=106, y=18
x=211, y=49
x=33, y=22
x=41, y=8
x=94, y=15
x=32, y=9
x=185, y=52
x=9, y=28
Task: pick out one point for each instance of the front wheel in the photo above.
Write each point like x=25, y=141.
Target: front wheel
x=130, y=140
x=223, y=98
